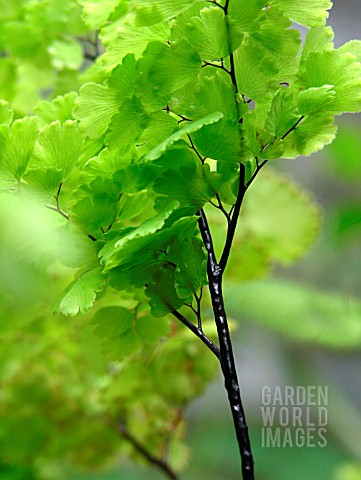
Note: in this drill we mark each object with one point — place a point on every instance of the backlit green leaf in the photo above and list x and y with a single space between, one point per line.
166 68
310 13
337 69
254 82
247 15
190 184
211 91
59 147
132 40
97 12
149 12
6 113
17 145
354 47
311 135
318 39
208 34
190 128
81 293
283 113
96 207
58 109
97 103
128 124
220 141
315 99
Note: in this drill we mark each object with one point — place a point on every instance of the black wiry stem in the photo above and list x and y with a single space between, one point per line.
198 332
57 208
256 172
60 211
293 127
192 147
227 362
216 3
183 118
233 72
161 464
222 67
232 224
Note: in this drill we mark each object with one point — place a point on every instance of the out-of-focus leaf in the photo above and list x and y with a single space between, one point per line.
298 312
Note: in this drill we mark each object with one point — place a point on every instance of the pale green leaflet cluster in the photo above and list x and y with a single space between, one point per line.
133 145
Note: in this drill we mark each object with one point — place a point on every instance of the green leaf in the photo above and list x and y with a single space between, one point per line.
135 276
315 99
191 271
283 113
212 91
160 126
97 12
44 180
162 293
96 207
190 128
318 39
58 109
188 183
97 103
221 141
128 124
127 249
115 327
247 15
281 217
150 12
309 13
6 113
354 47
59 147
337 69
255 82
132 39
17 145
208 34
274 34
146 243
81 293
180 22
229 174
310 136
165 68
104 165
299 312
